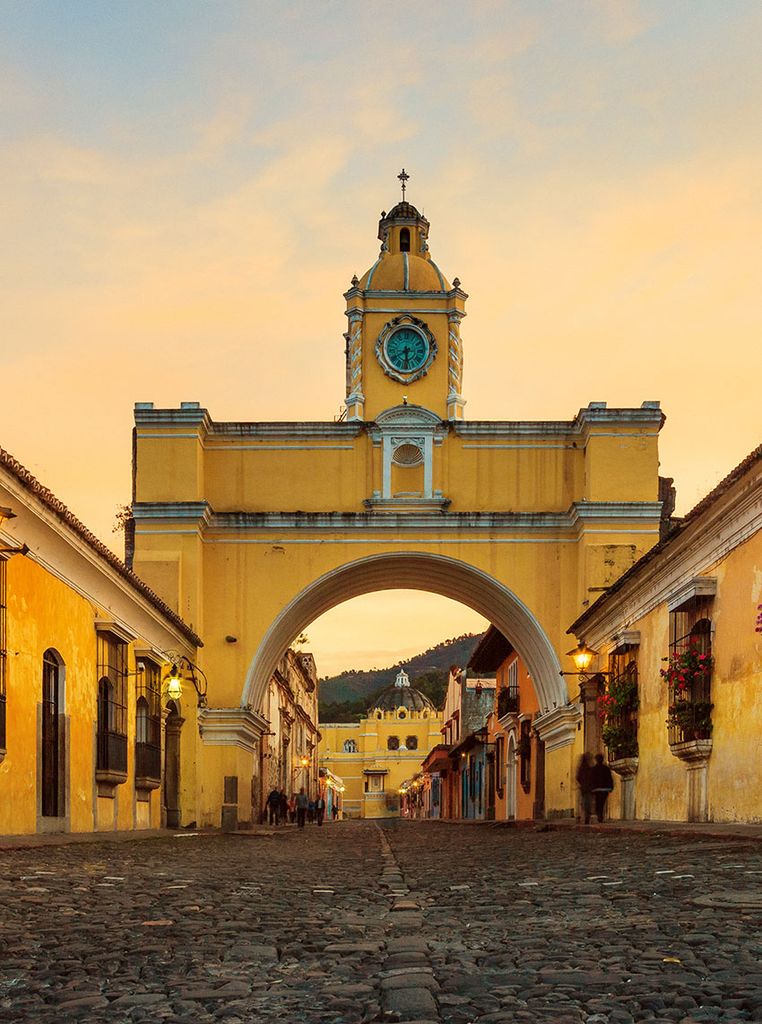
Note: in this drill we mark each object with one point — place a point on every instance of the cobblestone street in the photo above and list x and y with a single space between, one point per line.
355 922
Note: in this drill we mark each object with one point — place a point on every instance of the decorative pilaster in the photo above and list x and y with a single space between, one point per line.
626 768
695 754
455 402
355 399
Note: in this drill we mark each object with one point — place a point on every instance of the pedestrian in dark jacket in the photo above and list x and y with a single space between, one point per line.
273 806
283 809
320 809
584 781
602 783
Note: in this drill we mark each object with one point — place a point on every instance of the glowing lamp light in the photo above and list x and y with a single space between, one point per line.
174 684
582 656
305 762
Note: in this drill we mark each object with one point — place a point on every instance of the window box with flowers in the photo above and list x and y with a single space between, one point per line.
688 676
618 708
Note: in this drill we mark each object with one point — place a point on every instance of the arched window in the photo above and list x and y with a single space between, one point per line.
52 698
112 705
404 239
393 743
350 747
402 713
141 720
148 724
690 701
411 742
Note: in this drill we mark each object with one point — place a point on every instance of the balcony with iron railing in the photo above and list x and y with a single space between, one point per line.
508 701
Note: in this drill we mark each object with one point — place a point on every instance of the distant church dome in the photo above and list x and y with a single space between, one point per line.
402 695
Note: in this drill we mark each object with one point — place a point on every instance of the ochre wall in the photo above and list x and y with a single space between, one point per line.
734 770
45 613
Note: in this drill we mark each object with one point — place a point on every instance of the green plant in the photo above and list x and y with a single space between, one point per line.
693 719
617 709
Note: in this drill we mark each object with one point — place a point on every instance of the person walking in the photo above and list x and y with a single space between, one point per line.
283 809
602 783
584 781
335 811
311 811
292 808
320 809
301 807
273 806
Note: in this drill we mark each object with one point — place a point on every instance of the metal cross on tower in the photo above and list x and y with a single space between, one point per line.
403 177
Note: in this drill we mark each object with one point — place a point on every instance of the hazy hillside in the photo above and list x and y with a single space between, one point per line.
345 696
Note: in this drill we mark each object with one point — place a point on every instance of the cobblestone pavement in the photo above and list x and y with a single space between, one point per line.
407 921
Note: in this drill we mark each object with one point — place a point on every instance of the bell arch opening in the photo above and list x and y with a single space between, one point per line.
437 574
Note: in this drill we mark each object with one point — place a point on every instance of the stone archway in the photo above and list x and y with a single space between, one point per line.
412 570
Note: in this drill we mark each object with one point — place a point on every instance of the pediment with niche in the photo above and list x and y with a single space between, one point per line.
408 416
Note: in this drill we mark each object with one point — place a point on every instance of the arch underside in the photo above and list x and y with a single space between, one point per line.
437 574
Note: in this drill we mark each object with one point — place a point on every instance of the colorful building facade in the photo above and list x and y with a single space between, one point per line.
289 749
684 745
375 756
90 738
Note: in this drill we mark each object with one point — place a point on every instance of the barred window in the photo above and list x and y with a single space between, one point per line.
690 706
411 742
393 743
620 719
3 646
148 722
112 703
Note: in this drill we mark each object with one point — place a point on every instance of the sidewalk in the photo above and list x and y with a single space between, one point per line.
36 840
703 830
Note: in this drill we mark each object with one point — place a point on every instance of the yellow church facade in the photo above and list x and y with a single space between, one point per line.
250 530
377 754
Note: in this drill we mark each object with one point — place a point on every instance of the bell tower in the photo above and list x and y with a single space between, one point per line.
403 340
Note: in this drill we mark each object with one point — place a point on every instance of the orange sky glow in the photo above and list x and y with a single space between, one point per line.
188 189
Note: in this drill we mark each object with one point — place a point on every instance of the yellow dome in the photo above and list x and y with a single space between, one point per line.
402 271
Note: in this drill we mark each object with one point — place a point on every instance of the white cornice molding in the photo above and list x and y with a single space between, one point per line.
58 549
232 727
558 728
725 525
396 514
699 586
118 629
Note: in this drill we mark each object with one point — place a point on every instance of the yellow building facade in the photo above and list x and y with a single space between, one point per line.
89 740
376 755
252 529
686 748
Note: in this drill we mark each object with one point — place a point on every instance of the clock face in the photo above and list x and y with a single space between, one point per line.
407 350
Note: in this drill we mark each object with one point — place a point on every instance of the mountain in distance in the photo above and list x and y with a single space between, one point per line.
346 696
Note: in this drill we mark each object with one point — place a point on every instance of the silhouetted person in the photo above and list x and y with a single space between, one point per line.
585 783
301 807
602 783
273 806
320 810
283 809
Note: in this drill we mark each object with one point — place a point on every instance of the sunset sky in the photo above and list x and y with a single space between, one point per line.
188 187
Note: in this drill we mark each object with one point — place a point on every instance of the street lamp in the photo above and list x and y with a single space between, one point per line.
184 669
582 656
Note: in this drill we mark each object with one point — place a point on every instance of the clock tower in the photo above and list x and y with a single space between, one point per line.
403 343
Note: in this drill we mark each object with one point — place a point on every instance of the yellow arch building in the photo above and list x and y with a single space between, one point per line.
251 530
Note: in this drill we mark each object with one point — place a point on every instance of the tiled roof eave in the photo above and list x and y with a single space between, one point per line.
53 504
